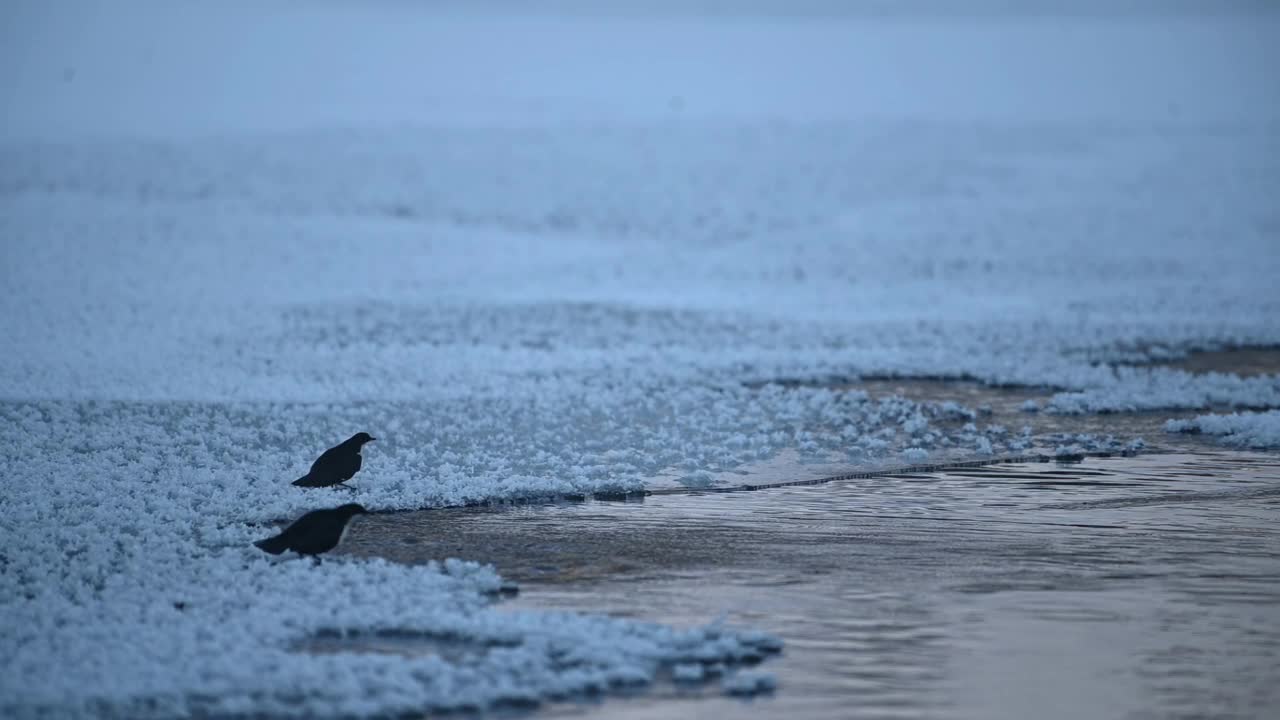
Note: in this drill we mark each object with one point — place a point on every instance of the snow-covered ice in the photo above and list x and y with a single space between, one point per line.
557 253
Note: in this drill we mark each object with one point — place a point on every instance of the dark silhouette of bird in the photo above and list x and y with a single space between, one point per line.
337 464
319 531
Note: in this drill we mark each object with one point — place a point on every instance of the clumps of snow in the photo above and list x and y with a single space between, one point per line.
951 410
1130 389
1024 439
1080 443
875 430
988 440
536 439
1030 406
1255 430
1068 453
748 683
915 425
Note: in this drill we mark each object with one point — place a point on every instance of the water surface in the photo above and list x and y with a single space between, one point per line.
1118 587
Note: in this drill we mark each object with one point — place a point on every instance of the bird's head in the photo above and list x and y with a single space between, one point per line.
359 439
351 509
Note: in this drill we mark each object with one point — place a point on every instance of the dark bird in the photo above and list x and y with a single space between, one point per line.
319 531
337 464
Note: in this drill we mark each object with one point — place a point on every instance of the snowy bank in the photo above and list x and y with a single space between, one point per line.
127 565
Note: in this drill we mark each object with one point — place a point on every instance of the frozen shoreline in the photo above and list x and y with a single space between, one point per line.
197 476
556 255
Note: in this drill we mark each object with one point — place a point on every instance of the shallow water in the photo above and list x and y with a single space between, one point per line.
1117 587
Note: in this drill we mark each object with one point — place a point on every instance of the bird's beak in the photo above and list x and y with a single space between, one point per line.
371 439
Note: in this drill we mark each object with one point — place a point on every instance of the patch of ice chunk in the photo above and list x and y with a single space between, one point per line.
748 683
951 410
915 454
1069 453
1255 430
1078 443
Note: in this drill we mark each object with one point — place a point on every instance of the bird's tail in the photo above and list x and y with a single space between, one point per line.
305 481
274 545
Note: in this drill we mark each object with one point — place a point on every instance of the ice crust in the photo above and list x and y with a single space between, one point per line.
558 271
